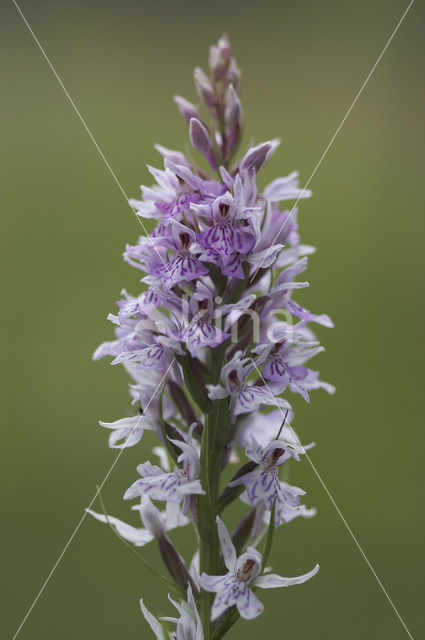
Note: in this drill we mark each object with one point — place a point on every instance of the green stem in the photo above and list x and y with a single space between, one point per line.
216 425
206 517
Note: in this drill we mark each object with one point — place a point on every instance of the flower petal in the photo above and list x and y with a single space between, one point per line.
139 537
272 581
154 624
227 546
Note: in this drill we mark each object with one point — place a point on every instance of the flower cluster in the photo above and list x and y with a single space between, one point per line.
212 343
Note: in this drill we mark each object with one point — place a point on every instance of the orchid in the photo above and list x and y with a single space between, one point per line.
214 340
245 397
235 588
174 486
263 484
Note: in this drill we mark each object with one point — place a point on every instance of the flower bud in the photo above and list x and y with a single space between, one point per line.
201 141
187 109
256 157
233 109
234 76
204 88
219 58
175 564
233 118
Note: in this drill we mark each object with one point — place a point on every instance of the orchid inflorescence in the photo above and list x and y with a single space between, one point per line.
211 344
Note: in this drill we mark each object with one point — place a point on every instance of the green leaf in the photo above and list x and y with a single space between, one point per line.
195 386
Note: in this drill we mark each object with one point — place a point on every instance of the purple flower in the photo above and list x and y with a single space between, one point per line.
157 356
155 522
171 197
184 265
283 364
200 331
230 231
263 484
215 314
175 486
234 588
244 397
140 306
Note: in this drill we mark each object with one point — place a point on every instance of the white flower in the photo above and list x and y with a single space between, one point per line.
234 588
127 432
263 484
245 398
175 486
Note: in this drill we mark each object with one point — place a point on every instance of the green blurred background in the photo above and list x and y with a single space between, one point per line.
64 225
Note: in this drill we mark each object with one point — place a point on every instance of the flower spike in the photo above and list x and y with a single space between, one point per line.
215 343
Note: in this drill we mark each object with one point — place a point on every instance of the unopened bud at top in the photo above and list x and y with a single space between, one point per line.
220 58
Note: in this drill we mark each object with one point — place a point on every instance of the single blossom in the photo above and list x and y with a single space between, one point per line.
263 484
201 330
170 197
245 397
283 364
230 215
183 266
158 355
235 588
140 306
175 486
